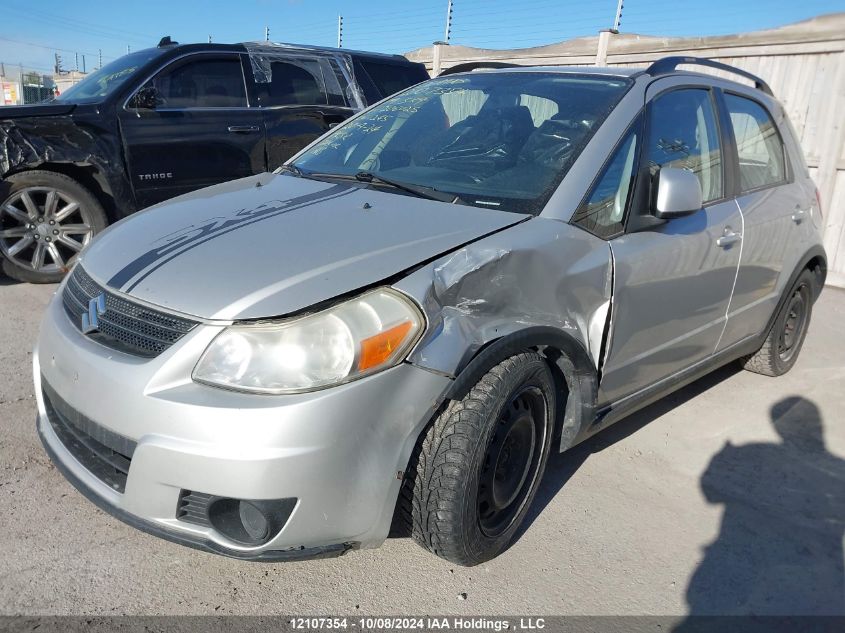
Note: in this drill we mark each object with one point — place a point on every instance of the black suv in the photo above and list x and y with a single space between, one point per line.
164 121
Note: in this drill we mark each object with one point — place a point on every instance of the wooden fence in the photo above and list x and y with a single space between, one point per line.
804 63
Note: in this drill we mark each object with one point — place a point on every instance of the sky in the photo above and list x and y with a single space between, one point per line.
31 31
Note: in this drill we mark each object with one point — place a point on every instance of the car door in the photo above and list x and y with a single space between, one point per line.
191 126
776 211
301 98
672 279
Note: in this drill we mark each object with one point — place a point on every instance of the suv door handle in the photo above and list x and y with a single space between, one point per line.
729 237
799 215
243 129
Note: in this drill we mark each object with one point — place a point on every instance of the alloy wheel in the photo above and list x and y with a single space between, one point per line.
42 229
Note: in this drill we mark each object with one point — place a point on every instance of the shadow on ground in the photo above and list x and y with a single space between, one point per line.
780 545
779 549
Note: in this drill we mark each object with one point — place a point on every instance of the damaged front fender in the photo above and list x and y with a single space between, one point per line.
538 276
33 142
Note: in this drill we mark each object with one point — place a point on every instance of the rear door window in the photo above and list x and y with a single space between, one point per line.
299 83
203 82
541 109
759 146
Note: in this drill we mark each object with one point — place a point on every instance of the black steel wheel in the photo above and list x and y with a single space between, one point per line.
511 462
783 343
478 465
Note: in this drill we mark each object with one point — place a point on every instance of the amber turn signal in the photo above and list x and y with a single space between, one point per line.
377 349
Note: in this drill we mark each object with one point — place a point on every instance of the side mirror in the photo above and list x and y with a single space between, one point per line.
147 98
678 193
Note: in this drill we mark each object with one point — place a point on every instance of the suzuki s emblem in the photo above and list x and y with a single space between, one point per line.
96 309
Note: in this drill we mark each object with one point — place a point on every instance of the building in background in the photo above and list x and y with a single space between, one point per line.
66 79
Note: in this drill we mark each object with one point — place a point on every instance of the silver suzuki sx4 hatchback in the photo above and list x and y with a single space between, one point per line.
393 331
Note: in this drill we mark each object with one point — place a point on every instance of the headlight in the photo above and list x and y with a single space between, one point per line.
345 342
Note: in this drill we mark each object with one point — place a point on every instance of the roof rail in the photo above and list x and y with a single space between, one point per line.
462 68
669 64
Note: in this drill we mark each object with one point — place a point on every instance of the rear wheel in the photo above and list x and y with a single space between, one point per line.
783 344
474 474
46 219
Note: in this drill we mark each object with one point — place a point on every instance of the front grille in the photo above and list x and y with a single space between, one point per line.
125 326
193 507
105 454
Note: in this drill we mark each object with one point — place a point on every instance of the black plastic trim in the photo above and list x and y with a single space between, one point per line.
194 542
576 411
469 66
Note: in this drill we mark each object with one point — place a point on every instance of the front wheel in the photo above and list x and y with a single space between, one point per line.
477 468
46 219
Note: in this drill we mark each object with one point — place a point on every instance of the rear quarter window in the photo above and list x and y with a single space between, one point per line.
391 78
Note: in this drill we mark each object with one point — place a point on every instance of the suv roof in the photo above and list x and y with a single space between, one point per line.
269 47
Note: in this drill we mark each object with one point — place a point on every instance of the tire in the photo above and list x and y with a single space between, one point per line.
46 218
784 341
475 455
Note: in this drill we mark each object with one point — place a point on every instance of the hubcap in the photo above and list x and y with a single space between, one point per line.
42 229
794 323
512 460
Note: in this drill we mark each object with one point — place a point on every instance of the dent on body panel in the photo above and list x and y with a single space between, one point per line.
538 273
27 143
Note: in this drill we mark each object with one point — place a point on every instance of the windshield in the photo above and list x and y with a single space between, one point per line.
106 80
494 140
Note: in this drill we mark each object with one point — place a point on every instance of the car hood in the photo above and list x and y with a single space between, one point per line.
44 109
271 245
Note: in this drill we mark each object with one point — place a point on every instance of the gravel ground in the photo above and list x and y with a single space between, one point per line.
699 504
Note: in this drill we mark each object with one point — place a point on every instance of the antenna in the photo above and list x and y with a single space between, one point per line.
340 31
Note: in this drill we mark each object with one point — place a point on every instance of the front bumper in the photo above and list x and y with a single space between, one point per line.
339 452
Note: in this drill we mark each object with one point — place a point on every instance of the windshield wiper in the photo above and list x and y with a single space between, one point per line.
418 190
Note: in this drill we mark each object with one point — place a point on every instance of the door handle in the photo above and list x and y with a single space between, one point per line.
243 129
729 237
799 215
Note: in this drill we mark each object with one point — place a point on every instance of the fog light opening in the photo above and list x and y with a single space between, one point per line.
249 522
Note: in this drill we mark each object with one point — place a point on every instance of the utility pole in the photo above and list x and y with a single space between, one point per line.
617 21
83 63
99 58
128 50
266 33
2 70
449 21
340 31
58 66
77 61
209 39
